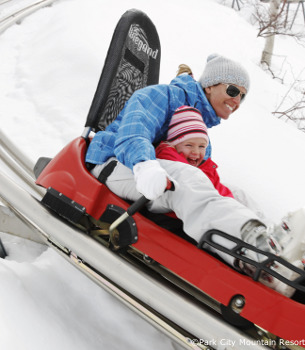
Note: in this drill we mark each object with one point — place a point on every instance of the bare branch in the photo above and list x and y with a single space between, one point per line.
295 113
270 24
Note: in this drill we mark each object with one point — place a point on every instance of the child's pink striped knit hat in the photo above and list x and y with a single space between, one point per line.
186 123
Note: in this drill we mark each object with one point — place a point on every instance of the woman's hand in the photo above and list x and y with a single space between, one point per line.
151 179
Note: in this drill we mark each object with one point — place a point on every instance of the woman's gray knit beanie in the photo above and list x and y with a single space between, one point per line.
220 69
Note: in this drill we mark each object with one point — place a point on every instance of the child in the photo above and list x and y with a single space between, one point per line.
187 141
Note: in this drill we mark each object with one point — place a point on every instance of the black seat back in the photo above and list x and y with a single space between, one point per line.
132 62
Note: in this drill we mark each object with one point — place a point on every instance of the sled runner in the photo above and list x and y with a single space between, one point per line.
157 244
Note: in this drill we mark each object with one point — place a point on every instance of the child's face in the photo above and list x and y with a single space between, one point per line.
193 150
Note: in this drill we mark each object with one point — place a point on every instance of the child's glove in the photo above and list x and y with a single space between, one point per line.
151 178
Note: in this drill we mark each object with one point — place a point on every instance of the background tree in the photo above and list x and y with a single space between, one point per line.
269 27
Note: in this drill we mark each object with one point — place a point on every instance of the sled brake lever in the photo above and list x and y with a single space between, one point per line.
135 207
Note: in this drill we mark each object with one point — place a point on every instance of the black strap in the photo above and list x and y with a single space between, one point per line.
103 176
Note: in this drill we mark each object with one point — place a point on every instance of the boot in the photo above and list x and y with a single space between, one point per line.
291 235
257 234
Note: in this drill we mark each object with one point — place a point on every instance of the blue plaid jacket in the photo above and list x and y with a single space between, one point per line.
144 121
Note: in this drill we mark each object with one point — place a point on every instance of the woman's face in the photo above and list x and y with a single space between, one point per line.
223 104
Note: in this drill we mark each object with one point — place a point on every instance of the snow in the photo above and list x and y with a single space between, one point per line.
50 66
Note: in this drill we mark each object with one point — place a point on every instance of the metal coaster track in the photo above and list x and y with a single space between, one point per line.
17 16
4 1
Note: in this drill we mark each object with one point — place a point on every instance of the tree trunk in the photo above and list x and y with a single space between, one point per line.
269 43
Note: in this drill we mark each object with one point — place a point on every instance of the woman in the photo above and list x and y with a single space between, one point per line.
146 116
144 121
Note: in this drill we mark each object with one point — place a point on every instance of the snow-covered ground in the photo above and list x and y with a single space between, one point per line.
49 68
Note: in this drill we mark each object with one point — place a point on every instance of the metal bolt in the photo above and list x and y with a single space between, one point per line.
237 304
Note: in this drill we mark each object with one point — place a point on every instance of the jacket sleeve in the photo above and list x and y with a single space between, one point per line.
210 169
144 120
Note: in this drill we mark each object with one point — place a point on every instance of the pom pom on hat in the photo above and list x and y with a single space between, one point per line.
186 123
220 69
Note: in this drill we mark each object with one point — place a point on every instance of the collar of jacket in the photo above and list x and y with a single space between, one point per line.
196 97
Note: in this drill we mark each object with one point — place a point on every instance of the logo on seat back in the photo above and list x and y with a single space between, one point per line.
137 36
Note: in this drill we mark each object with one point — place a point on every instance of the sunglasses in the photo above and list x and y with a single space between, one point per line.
234 91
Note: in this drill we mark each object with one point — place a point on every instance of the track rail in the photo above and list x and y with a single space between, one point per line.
17 16
19 164
4 1
21 168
